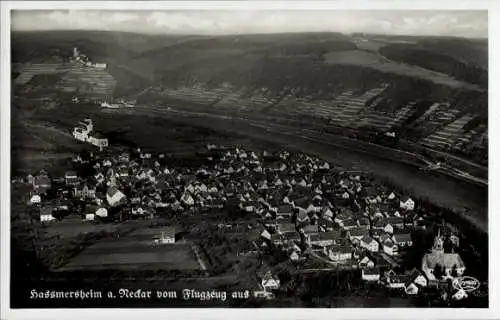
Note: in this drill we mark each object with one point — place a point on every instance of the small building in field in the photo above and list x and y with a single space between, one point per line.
167 236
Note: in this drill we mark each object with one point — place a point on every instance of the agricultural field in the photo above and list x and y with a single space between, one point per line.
135 251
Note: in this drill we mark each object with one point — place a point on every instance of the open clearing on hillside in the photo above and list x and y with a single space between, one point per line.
378 62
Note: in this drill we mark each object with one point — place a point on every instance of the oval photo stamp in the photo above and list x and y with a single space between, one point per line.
466 283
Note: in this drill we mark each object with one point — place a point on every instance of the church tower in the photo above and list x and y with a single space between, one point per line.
438 243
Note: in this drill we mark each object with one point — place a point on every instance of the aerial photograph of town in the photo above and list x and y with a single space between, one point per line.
267 159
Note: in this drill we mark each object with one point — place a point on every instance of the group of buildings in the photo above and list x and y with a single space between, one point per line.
84 132
306 208
85 61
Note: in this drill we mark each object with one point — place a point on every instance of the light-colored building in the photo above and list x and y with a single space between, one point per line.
370 274
448 261
114 197
99 140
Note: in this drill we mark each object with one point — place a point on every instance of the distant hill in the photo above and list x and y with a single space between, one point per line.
429 57
431 89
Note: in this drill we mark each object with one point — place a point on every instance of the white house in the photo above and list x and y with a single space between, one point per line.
407 204
366 263
338 253
35 199
46 215
98 65
102 212
411 288
114 196
390 247
418 278
269 282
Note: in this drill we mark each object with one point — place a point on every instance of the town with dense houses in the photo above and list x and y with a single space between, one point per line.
320 217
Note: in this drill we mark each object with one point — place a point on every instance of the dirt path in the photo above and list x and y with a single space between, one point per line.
200 260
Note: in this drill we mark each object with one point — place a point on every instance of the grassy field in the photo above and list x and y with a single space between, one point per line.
131 253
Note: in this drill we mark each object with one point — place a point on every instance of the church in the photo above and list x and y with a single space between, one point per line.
437 257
